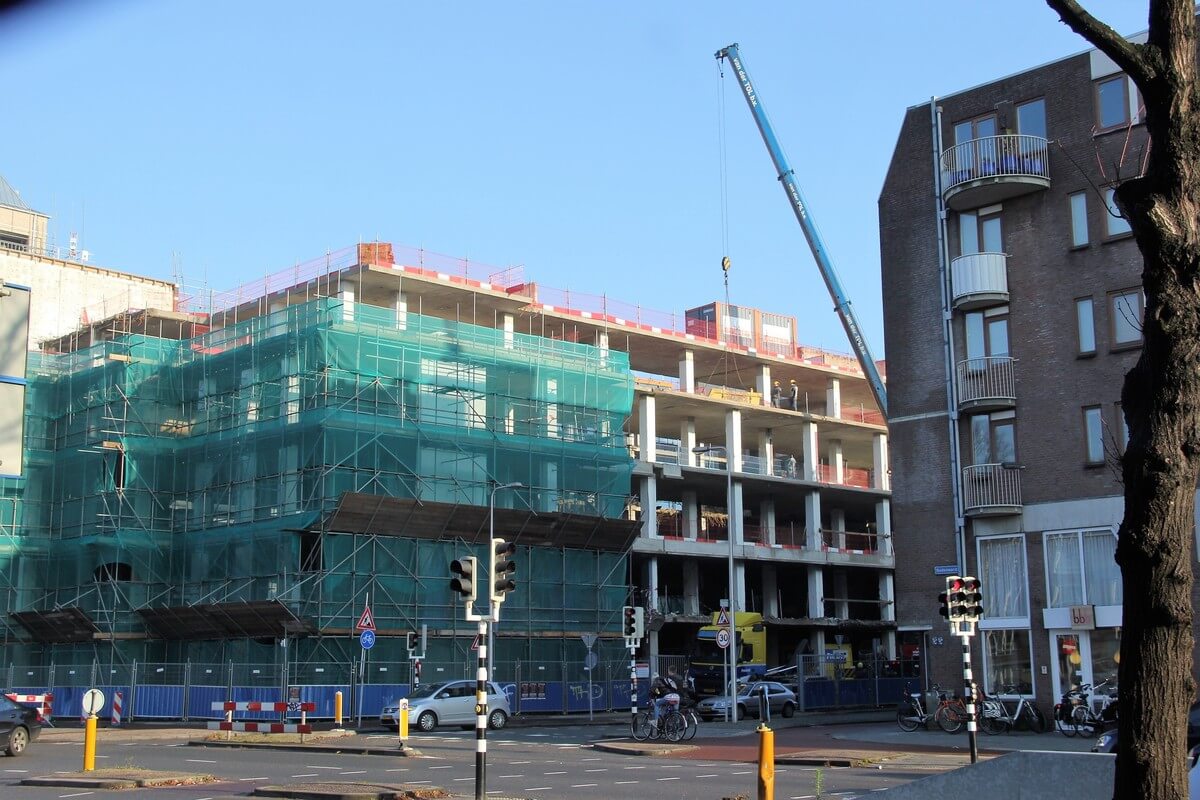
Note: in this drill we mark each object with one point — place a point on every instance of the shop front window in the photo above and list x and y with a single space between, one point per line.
1008 662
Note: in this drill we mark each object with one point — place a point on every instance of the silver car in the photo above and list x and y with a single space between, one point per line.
782 701
448 703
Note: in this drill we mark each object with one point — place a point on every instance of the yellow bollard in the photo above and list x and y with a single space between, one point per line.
403 723
89 744
337 709
766 763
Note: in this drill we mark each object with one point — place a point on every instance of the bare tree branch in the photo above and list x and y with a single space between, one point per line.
1128 56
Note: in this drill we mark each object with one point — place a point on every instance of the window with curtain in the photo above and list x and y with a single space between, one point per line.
1002 571
1063 570
1080 569
1009 662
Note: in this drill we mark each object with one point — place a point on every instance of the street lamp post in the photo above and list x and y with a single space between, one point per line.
491 578
731 651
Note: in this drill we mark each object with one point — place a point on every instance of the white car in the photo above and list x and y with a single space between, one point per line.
448 703
782 701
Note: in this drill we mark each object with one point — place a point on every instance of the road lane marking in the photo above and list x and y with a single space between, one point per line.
594 758
353 772
563 772
263 778
510 776
520 762
745 772
318 766
397 769
601 769
444 766
635 768
200 761
536 788
307 775
581 785
619 783
77 794
465 779
666 779
714 775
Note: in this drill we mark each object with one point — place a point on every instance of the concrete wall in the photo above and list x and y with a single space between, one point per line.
1023 775
62 291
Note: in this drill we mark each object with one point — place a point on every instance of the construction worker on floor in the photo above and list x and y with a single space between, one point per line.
795 396
776 395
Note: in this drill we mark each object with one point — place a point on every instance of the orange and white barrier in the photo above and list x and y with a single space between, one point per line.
259 727
253 705
118 706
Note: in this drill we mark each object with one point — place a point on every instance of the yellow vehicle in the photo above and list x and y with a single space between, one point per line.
710 659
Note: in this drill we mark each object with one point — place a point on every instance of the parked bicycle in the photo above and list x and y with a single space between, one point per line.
911 713
1074 715
995 717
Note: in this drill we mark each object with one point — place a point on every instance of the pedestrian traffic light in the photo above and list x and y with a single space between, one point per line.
502 570
464 583
972 591
412 641
633 622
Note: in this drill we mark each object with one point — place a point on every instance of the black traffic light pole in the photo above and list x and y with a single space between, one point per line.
969 694
481 711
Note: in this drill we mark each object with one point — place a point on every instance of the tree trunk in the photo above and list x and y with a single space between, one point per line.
1161 402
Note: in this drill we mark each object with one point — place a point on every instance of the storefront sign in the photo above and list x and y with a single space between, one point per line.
1083 618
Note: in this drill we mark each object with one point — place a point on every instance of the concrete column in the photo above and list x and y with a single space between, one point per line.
887 594
879 463
816 594
651 603
346 295
808 433
647 428
691 514
687 372
837 467
766 515
812 520
883 527
817 640
602 344
762 382
687 442
889 644
400 306
691 587
770 591
507 324
766 451
837 524
841 605
833 398
733 452
649 499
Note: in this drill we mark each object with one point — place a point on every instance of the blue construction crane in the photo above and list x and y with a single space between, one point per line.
787 179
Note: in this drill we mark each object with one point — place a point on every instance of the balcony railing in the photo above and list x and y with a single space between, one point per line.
851 476
991 489
979 279
849 541
993 168
986 383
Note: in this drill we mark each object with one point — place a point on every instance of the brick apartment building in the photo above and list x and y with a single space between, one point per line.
1012 308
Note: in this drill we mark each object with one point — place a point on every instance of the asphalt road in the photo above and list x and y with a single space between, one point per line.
521 763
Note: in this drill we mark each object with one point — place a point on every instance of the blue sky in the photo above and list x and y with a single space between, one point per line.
231 139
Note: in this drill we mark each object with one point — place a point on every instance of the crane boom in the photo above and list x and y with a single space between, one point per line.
787 178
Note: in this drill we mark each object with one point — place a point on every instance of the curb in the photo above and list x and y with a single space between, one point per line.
639 749
350 791
361 750
62 781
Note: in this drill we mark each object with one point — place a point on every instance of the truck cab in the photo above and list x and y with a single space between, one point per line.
749 643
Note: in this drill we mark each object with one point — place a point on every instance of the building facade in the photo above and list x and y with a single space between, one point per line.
1012 307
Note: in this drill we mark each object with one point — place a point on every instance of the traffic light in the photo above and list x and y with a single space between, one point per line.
972 591
502 570
464 583
953 600
413 641
633 622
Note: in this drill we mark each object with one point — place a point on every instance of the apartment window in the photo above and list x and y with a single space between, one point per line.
1031 118
1007 661
987 333
1112 102
980 133
1085 326
993 438
1125 317
1093 435
1122 428
1081 569
1079 229
1003 574
980 232
972 129
1114 223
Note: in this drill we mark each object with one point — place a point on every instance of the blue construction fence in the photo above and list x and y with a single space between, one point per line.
188 691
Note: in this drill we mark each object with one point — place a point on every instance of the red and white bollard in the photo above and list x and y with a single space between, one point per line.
118 706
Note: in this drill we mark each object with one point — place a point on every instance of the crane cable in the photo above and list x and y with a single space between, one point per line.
727 362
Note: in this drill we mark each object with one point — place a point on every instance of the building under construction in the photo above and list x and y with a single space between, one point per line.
207 482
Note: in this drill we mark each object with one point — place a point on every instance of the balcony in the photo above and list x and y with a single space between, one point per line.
994 168
978 280
986 384
991 490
